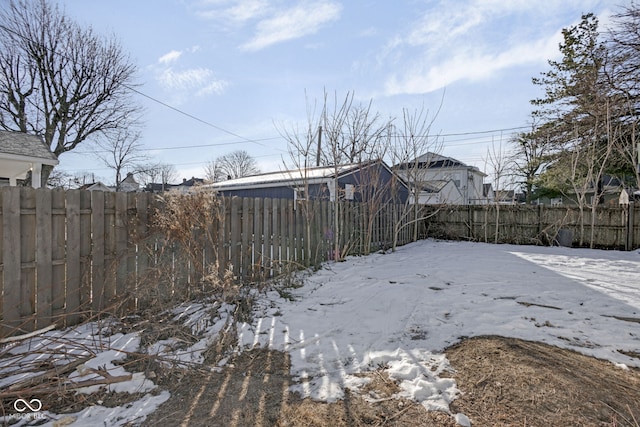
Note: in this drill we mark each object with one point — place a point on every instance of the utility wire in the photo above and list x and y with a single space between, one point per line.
131 88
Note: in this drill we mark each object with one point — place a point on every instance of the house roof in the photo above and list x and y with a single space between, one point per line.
95 186
434 158
21 146
291 177
190 182
437 161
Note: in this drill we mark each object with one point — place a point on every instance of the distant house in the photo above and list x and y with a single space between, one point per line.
95 186
156 187
430 170
609 189
187 185
355 181
129 184
506 197
21 153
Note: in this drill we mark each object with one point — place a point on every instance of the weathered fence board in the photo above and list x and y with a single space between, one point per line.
58 253
12 291
27 259
73 257
43 257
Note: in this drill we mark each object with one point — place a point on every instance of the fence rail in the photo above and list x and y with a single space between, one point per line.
67 255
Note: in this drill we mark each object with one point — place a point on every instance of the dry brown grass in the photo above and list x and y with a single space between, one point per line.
511 382
504 382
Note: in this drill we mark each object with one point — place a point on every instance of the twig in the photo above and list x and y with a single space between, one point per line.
486 377
29 335
383 378
399 413
58 370
635 422
108 379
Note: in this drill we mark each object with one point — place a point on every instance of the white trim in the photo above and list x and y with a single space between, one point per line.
29 159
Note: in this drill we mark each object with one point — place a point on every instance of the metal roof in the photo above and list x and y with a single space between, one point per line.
294 177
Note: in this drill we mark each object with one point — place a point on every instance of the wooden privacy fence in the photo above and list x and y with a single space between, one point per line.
613 227
67 255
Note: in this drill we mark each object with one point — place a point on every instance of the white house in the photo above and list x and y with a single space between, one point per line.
21 153
129 184
444 180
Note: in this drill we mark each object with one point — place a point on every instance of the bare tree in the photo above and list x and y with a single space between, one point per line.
59 80
121 151
413 140
531 154
58 178
304 152
234 165
157 173
498 164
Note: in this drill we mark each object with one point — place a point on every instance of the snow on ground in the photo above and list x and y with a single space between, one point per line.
403 309
397 310
98 347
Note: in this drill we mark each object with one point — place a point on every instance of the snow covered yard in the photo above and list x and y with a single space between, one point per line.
397 311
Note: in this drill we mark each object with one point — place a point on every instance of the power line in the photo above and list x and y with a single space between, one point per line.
485 131
182 147
131 88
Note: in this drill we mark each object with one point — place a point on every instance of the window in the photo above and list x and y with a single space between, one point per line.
299 194
348 191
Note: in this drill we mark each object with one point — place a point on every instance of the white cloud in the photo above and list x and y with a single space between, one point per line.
296 22
246 10
170 57
425 76
235 12
200 80
183 81
475 40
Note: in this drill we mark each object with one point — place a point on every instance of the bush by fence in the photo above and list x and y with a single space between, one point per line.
68 255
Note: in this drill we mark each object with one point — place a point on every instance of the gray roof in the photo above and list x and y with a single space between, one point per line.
24 144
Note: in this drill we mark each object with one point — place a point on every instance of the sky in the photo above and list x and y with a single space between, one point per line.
388 310
217 76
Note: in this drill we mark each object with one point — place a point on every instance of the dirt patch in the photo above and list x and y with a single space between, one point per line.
504 382
510 382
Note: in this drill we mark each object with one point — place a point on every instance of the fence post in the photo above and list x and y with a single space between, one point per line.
630 225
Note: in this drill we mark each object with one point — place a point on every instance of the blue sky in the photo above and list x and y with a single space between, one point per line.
241 68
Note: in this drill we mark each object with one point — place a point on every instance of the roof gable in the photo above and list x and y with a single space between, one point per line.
22 145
